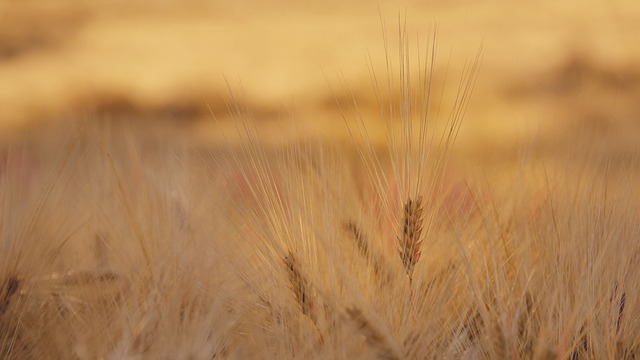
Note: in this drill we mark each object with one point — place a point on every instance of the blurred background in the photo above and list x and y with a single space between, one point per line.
550 69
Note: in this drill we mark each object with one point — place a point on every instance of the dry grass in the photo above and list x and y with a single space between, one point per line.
125 245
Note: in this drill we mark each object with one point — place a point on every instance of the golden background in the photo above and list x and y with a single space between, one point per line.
549 69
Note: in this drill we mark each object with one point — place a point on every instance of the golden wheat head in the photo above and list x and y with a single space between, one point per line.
299 285
409 243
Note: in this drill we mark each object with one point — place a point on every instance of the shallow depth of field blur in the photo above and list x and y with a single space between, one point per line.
550 69
178 180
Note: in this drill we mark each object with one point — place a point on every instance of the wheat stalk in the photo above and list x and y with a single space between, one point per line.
498 341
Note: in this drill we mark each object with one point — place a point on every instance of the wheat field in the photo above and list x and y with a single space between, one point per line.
131 240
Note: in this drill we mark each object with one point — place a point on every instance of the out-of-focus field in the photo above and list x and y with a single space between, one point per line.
119 241
550 69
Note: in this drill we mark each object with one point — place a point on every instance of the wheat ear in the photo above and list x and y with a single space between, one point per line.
373 336
360 239
409 242
299 286
7 290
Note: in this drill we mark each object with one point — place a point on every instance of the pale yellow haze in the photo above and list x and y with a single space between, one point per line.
548 67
